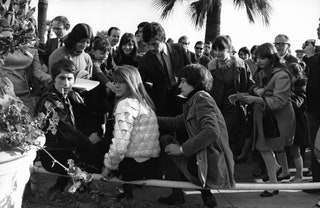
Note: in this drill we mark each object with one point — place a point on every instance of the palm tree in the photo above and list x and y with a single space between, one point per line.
210 11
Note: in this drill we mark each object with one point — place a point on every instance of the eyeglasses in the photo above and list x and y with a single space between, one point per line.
57 28
184 43
279 44
199 48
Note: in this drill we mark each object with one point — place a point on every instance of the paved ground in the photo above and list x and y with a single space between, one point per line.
225 198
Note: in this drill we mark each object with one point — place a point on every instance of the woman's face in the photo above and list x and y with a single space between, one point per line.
221 54
121 88
64 82
100 55
185 87
263 62
127 48
81 45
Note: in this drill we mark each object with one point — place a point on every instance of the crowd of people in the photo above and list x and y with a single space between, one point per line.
162 111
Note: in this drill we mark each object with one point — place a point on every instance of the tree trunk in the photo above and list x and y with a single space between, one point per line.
213 21
42 17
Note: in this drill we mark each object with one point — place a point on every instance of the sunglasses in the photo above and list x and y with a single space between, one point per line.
199 48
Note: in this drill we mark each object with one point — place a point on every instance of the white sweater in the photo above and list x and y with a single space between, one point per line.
136 134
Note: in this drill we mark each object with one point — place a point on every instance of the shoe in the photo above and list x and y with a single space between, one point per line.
267 193
124 192
311 191
296 180
258 172
173 199
266 178
287 177
208 199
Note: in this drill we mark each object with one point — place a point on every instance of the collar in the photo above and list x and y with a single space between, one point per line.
165 50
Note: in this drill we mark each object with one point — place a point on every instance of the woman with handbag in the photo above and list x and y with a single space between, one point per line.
273 111
205 157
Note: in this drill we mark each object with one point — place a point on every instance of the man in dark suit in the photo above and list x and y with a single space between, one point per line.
159 68
282 44
60 25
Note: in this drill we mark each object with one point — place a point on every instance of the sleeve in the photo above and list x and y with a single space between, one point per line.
125 114
281 91
97 72
171 123
38 71
207 118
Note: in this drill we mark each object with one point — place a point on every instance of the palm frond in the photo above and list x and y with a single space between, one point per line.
256 8
198 12
164 6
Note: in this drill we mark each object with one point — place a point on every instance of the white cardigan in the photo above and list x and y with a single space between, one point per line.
136 133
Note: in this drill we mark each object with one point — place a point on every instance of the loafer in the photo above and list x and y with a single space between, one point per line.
209 201
173 199
267 193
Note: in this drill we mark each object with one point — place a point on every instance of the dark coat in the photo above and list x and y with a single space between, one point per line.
206 131
152 71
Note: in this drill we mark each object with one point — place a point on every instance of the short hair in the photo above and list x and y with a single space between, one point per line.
101 43
184 37
222 42
79 32
62 19
244 50
110 30
287 39
208 42
63 64
198 76
253 49
199 42
153 30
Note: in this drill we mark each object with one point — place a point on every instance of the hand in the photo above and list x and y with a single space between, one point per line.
106 173
258 91
248 99
94 138
110 86
173 149
76 97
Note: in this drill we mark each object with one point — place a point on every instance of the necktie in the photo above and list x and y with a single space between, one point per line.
171 78
60 43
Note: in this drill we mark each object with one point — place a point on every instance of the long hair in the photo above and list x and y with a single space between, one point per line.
131 76
125 39
79 32
267 50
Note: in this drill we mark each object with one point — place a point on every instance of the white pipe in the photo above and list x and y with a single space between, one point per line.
188 185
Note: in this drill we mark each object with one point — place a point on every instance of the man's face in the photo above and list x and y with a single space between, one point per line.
59 29
185 43
114 37
64 82
198 49
155 45
318 30
207 48
281 45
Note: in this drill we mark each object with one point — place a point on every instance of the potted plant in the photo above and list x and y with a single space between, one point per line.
20 137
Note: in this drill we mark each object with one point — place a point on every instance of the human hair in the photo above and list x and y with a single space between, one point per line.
142 24
296 70
64 64
128 38
79 32
110 30
208 42
199 42
100 43
285 37
62 19
153 30
244 50
267 50
182 38
222 42
130 75
198 76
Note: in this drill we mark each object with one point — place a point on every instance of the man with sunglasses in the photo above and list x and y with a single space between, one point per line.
199 56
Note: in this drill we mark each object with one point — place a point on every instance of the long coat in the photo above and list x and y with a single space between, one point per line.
277 94
206 131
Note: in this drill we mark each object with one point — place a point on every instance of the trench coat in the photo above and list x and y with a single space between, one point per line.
207 138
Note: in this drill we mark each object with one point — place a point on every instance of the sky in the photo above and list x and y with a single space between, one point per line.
298 19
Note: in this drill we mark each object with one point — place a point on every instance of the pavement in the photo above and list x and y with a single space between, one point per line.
225 198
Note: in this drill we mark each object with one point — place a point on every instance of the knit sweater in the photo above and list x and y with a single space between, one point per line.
136 133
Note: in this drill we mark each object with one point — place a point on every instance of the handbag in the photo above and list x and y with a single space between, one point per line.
269 123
